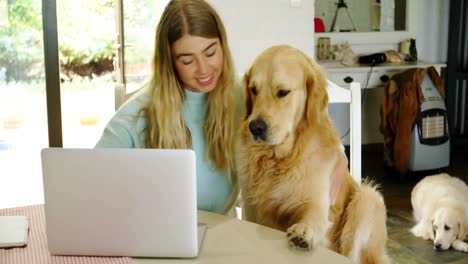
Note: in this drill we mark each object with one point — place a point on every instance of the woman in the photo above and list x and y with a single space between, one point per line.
190 101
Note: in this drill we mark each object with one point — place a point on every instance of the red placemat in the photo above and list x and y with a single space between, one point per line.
36 250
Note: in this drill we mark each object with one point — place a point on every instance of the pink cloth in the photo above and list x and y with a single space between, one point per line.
36 251
338 180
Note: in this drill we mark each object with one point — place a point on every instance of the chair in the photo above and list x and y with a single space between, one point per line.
121 95
338 94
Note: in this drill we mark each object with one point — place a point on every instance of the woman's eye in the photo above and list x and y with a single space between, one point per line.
211 54
282 93
186 62
447 228
253 90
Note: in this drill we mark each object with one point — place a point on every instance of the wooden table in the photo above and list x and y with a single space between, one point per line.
230 240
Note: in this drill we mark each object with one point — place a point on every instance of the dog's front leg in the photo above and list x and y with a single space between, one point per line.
248 212
311 230
460 245
423 229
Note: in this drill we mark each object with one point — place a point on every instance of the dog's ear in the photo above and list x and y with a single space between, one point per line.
432 230
247 96
317 95
461 231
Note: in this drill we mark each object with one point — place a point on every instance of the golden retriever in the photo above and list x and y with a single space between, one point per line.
440 208
290 162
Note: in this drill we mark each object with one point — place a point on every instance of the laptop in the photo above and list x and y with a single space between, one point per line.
121 202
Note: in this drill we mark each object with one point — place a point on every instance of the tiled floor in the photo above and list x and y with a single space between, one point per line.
402 246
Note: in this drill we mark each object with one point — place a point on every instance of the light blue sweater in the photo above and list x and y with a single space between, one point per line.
126 130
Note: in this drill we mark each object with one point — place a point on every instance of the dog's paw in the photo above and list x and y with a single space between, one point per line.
460 245
300 236
422 231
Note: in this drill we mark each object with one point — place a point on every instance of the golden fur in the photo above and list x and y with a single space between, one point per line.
287 154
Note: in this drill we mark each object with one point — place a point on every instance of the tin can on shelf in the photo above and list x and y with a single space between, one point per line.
323 48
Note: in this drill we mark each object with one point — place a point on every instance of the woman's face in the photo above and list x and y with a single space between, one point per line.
198 62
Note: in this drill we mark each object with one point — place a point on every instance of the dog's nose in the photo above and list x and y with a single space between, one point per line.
258 127
437 246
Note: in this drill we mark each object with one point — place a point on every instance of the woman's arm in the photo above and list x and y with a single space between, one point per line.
116 135
127 127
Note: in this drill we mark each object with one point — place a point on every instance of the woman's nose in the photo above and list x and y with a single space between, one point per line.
202 66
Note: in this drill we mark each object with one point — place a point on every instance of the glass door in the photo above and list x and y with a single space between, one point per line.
86 37
91 62
23 117
136 22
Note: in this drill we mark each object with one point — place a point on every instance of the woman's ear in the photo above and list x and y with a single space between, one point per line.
247 96
317 95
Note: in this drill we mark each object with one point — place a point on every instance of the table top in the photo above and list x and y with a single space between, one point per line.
230 240
227 240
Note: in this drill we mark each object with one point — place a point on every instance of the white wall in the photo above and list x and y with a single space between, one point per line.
254 25
432 31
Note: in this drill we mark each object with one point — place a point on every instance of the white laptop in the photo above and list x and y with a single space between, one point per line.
121 202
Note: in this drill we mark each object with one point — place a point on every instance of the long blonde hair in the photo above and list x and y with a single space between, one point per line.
166 124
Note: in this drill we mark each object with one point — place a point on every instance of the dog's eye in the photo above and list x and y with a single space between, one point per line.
253 90
282 93
435 227
447 228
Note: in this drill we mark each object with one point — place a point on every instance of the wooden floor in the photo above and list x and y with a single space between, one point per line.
402 246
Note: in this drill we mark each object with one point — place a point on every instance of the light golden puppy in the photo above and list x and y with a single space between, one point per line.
440 208
292 169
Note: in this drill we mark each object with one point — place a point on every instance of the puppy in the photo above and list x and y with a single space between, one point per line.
440 208
292 170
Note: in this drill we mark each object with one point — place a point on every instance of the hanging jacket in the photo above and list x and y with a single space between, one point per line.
401 101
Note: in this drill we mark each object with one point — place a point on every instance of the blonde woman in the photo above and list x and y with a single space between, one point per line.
190 102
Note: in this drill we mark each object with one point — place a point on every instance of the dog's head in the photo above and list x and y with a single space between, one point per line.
447 226
283 88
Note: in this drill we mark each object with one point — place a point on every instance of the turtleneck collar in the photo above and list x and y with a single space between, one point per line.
195 98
